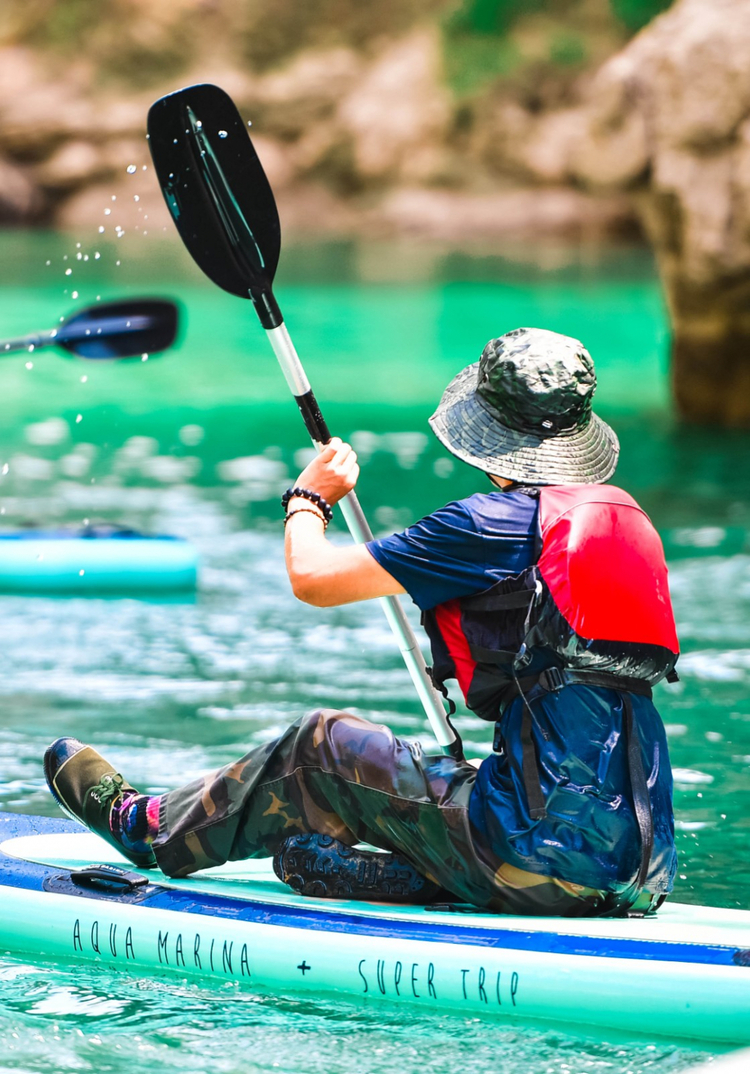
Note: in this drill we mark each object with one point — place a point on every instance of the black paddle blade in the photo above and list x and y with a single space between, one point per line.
126 329
217 192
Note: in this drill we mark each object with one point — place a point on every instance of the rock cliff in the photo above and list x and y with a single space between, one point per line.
668 120
367 118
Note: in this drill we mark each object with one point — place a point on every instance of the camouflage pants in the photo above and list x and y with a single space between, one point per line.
340 775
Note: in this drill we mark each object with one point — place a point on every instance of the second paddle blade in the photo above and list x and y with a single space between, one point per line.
216 189
126 329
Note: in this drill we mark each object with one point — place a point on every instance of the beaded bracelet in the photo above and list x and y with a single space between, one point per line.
306 511
313 497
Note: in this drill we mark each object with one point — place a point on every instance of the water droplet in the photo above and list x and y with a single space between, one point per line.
174 141
85 257
249 122
31 348
107 212
84 378
68 271
131 168
79 257
86 521
97 255
5 468
199 124
136 197
29 365
78 246
222 134
114 197
81 573
98 298
117 262
53 333
48 262
79 418
145 166
74 295
65 257
101 229
144 357
88 331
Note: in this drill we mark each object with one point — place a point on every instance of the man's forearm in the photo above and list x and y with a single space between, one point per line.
310 558
322 573
326 574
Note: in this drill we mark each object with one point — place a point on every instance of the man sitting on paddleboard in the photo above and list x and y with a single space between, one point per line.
546 598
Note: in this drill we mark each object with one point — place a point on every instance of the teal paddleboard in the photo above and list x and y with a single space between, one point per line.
684 973
55 562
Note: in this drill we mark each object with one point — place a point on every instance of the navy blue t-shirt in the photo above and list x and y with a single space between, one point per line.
590 835
463 548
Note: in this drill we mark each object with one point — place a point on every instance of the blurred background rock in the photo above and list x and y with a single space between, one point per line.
454 119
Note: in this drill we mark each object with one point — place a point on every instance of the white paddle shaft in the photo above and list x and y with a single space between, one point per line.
356 522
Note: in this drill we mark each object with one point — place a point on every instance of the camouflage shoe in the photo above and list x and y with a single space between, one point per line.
322 867
86 787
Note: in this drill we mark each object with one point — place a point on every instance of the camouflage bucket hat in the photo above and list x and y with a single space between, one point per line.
523 412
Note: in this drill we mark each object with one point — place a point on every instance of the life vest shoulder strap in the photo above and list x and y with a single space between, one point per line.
557 500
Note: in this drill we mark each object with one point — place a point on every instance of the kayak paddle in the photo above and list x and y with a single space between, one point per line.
124 329
225 212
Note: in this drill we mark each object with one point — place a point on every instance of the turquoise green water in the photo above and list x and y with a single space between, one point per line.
200 442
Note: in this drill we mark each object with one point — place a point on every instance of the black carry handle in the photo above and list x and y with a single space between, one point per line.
109 879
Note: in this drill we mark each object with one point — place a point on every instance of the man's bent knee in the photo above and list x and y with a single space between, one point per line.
341 742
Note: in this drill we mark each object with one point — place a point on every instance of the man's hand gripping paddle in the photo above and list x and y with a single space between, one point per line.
225 212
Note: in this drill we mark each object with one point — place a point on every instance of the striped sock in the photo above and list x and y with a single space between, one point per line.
135 821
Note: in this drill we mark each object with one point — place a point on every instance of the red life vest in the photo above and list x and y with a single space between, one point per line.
596 602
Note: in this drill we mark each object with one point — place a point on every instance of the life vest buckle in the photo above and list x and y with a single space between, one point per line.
552 679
